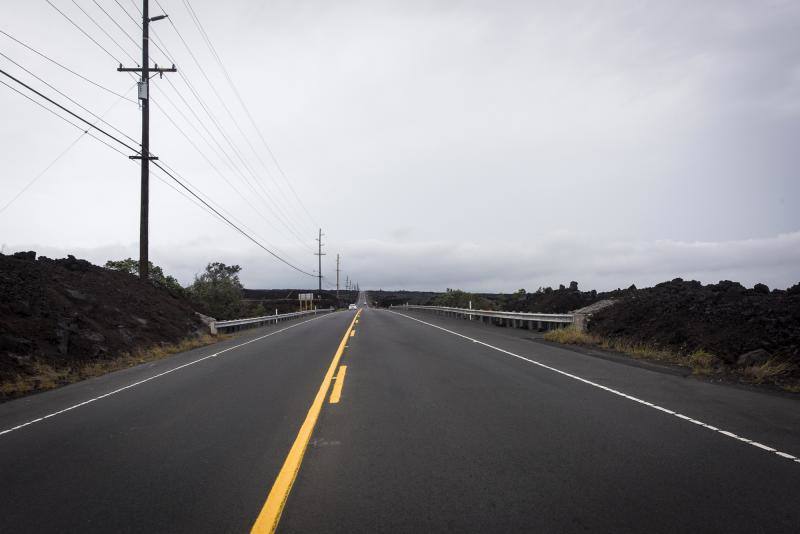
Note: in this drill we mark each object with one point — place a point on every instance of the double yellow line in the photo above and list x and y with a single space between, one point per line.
267 520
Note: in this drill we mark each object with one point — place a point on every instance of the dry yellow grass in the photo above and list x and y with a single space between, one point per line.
574 336
46 376
792 388
768 370
702 362
571 335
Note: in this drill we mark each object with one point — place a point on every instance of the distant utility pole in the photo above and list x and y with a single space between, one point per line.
144 99
337 276
320 254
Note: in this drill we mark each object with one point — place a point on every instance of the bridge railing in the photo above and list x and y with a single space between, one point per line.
532 321
237 324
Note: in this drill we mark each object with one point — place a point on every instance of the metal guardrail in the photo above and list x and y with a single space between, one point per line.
237 324
558 319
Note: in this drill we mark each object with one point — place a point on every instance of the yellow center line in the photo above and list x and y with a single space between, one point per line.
336 394
267 520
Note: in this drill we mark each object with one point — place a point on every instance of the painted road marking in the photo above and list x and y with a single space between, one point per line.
352 333
614 391
129 386
270 515
338 385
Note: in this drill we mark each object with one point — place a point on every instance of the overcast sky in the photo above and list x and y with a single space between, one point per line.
481 145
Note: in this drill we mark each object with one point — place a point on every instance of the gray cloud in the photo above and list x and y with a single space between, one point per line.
435 265
456 143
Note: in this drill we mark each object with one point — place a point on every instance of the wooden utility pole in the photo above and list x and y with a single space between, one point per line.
337 277
144 100
320 254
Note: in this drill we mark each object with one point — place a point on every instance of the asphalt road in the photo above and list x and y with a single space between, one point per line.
486 431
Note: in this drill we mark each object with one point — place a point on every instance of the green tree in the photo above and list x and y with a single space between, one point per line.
217 291
456 298
155 275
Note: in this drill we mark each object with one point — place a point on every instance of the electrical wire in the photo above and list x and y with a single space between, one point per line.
205 157
203 32
155 162
70 99
29 88
53 61
102 29
113 20
245 136
281 214
245 234
62 118
216 123
84 32
57 158
231 163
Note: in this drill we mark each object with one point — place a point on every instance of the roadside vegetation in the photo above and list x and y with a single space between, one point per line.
702 363
155 274
46 376
456 298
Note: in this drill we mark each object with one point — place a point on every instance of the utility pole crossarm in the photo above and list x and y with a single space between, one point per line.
149 69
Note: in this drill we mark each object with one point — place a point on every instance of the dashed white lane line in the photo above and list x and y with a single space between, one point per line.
159 375
614 391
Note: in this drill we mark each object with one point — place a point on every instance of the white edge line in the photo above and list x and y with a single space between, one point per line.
129 386
614 391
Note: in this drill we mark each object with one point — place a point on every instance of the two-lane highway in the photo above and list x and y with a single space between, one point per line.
376 421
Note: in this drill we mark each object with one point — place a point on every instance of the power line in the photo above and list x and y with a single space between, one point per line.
227 158
104 31
84 132
62 118
51 60
216 169
157 164
227 213
56 159
210 46
281 216
233 165
70 99
128 13
83 32
245 108
113 20
29 88
230 161
139 26
205 107
280 213
298 269
205 157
